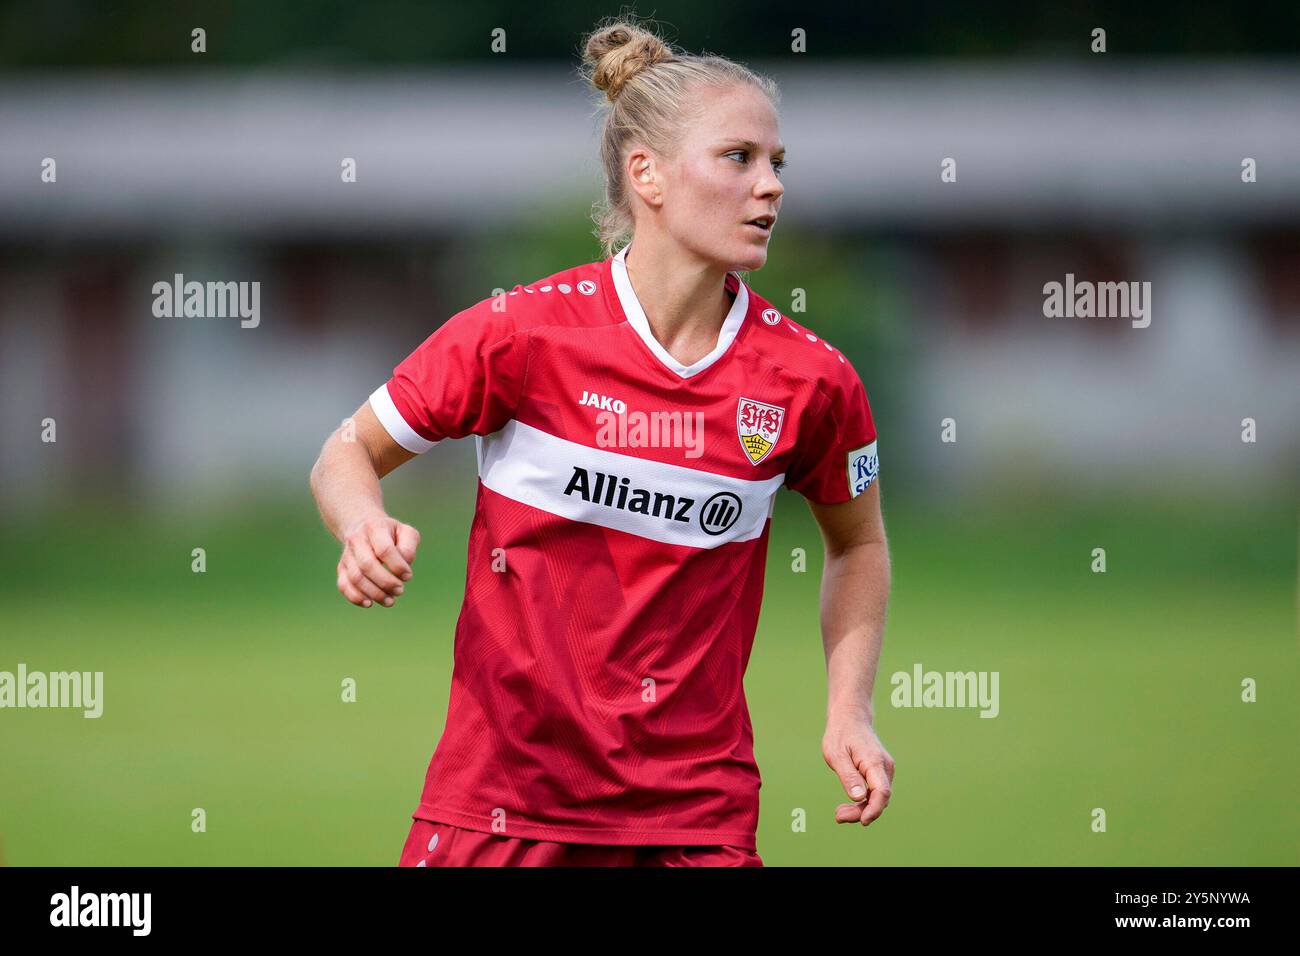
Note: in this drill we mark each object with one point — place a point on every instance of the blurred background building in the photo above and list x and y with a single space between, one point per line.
477 170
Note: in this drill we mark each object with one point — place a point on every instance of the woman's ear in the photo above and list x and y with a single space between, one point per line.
642 173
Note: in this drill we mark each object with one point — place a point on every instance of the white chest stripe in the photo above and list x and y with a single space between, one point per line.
669 503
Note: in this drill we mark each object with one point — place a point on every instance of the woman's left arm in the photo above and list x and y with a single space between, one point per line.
854 594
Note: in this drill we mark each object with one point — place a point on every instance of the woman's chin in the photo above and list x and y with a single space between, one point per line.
750 262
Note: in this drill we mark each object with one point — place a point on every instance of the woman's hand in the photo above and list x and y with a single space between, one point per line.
865 768
377 550
377 555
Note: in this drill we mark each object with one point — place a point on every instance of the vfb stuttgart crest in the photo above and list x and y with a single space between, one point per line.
759 426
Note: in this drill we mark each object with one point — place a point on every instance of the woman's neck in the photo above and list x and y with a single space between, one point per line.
685 301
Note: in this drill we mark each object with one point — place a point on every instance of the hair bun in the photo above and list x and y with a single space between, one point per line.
616 53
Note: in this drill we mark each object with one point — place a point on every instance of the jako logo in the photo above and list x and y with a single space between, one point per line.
102 909
603 402
719 513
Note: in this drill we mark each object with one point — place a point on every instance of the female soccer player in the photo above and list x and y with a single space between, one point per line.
634 419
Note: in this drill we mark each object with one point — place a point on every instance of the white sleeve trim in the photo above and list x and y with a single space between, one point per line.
395 424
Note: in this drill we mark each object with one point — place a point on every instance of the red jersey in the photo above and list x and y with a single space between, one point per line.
616 557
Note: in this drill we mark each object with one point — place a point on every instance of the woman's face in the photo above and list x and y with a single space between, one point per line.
724 175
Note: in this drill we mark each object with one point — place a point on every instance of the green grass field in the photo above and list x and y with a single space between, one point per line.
222 690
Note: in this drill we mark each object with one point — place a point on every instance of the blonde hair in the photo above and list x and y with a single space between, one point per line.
648 85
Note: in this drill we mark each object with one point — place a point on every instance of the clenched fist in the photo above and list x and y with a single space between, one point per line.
377 556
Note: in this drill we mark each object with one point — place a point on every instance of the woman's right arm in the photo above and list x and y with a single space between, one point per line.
377 549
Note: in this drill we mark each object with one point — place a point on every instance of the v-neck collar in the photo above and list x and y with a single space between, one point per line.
641 325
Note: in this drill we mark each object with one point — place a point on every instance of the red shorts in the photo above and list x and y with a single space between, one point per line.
437 844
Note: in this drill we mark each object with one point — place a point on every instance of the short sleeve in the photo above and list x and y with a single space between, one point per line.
465 378
836 461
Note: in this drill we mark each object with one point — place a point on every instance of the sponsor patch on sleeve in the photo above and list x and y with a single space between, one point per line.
863 468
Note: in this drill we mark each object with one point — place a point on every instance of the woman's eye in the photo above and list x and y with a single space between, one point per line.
742 156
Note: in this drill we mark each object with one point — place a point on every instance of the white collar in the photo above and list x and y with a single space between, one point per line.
637 319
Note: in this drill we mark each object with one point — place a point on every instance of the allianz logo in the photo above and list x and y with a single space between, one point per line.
718 513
